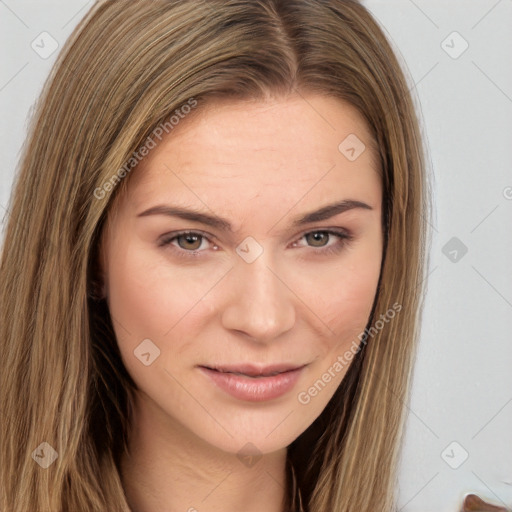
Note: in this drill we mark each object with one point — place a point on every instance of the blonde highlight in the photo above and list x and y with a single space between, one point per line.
62 380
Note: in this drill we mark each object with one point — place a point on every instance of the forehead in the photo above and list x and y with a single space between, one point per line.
278 147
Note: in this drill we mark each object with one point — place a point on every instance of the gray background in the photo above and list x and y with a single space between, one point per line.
459 431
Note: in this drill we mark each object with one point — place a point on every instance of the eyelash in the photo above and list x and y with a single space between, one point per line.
344 239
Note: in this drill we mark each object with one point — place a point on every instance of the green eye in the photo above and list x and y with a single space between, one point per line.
317 238
188 243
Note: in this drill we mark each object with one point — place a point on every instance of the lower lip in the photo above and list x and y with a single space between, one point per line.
256 389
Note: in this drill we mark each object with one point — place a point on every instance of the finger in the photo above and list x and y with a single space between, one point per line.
472 503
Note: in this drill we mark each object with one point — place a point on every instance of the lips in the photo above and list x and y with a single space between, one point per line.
248 370
254 384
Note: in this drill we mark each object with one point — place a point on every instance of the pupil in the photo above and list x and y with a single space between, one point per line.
319 236
190 239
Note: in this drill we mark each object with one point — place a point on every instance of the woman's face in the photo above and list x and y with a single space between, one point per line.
269 278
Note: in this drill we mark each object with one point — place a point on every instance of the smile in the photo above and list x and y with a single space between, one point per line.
254 385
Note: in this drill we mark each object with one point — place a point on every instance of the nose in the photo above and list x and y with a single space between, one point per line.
260 304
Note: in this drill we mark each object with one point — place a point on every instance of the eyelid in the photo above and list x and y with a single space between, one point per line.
169 237
345 237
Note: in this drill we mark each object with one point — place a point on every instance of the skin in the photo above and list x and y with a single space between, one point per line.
259 165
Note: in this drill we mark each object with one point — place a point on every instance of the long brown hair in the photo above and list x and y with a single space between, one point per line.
126 68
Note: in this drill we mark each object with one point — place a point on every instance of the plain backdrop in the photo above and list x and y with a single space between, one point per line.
458 57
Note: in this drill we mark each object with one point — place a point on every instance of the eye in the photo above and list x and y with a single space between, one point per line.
190 243
321 238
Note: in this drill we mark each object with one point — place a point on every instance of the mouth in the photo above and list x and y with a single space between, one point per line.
254 372
254 384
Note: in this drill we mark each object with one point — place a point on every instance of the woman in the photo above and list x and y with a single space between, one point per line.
175 335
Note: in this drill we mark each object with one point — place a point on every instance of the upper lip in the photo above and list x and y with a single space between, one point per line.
254 370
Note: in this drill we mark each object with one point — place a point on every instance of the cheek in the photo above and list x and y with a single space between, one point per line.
347 293
149 299
140 306
344 307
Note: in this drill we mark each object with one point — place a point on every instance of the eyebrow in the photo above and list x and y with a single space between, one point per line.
324 213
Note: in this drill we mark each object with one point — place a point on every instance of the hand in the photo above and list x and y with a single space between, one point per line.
472 503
